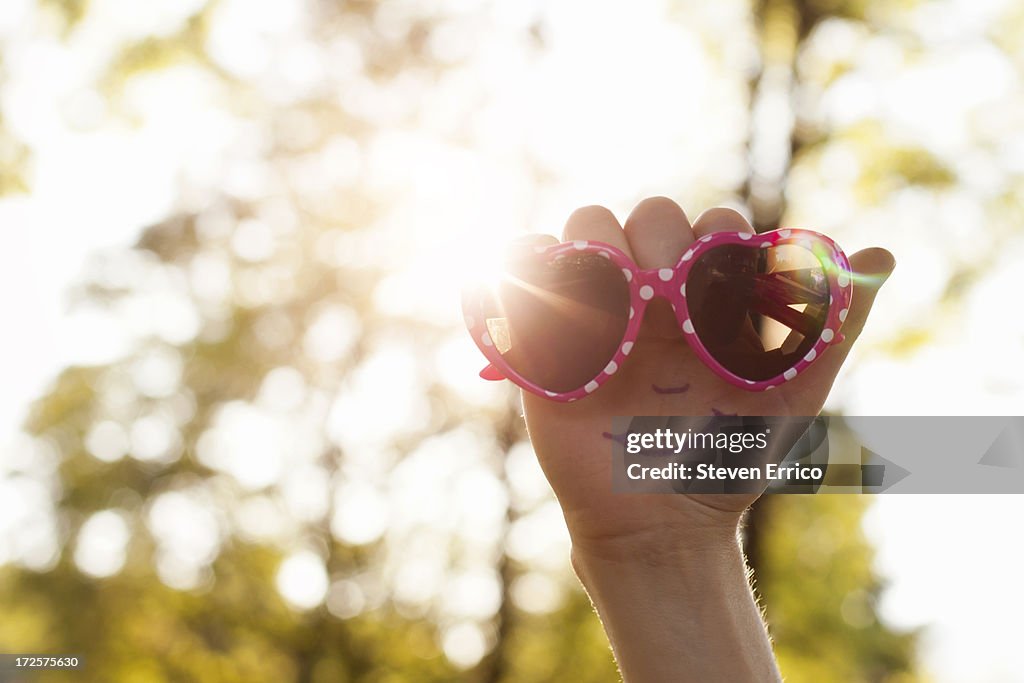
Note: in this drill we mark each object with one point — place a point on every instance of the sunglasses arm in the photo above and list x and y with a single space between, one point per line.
492 373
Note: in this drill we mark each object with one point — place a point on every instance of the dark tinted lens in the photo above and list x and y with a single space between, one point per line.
758 311
558 323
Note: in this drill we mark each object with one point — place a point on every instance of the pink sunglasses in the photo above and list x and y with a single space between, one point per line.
757 309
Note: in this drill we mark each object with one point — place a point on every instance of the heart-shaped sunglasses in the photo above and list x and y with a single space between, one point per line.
757 309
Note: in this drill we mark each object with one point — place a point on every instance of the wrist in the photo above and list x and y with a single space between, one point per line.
647 562
685 540
689 609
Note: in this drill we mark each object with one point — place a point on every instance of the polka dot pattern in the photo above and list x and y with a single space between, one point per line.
833 260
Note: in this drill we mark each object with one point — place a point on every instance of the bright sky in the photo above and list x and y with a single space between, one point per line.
949 560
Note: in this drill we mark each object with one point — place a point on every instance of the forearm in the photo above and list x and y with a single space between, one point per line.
691 618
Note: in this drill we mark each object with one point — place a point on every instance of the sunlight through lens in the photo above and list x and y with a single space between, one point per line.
758 311
558 323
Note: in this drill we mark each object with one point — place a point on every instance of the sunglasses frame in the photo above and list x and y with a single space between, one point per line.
670 283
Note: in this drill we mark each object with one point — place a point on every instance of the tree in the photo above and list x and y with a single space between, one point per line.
264 334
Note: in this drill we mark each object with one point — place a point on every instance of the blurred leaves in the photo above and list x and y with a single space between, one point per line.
70 11
245 282
820 594
889 169
14 159
157 52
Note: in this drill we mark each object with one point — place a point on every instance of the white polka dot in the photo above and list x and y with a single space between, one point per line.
688 326
579 244
785 233
682 289
627 347
844 278
706 238
769 387
827 334
631 312
765 245
811 355
470 321
604 254
486 339
646 292
749 381
842 315
688 255
550 393
571 400
591 386
665 274
744 235
628 274
611 368
789 374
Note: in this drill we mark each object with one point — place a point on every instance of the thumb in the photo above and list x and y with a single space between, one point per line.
871 268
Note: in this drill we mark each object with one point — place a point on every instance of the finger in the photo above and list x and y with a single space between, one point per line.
598 224
720 219
871 268
658 232
724 219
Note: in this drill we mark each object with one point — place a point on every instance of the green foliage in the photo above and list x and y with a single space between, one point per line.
159 52
820 593
568 644
70 11
14 158
233 625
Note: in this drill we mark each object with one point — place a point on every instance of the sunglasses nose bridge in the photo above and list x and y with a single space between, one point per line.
660 283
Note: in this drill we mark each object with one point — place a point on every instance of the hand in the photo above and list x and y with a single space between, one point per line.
570 438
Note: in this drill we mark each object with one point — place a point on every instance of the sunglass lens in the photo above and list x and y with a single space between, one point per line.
758 311
558 322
